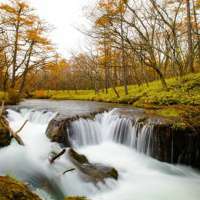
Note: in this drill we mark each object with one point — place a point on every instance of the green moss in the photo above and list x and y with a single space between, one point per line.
13 189
169 112
184 91
179 125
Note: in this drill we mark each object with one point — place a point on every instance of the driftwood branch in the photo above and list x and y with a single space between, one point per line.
21 127
51 160
69 170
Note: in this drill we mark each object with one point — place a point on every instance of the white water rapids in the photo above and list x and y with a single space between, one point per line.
140 177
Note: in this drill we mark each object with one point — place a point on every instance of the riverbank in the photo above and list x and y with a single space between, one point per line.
11 188
181 101
184 91
11 97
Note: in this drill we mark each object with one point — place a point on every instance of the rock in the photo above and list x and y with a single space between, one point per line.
91 172
5 137
78 158
12 189
175 139
59 127
57 131
177 145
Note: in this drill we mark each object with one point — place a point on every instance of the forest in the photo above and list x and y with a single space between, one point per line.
117 119
131 43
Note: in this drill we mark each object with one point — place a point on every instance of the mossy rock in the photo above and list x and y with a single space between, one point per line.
10 189
93 172
5 137
81 159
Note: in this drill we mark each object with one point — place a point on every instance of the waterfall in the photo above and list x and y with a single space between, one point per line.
108 139
85 132
109 126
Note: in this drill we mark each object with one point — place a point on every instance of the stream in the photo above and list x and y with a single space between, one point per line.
102 141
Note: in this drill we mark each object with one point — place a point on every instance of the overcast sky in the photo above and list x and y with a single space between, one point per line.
65 16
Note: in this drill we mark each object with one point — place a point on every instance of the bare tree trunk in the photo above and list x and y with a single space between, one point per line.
14 63
162 78
26 69
196 29
124 66
190 59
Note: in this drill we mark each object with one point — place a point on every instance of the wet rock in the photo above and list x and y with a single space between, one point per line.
91 172
12 189
174 139
57 131
177 145
59 128
5 137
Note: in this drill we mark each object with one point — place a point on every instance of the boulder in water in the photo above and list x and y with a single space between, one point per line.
91 172
57 131
12 189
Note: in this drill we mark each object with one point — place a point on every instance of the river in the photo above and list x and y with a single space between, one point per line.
140 177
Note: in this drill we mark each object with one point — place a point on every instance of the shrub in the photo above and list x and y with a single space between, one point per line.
41 94
13 97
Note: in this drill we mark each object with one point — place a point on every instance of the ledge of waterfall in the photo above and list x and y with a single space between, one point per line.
174 139
168 139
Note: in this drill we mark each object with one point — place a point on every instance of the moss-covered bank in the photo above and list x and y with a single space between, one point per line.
184 91
10 189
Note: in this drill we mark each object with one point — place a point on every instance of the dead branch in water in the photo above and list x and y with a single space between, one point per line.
51 160
13 134
69 170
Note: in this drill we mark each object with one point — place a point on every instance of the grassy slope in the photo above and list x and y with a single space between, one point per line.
181 92
181 104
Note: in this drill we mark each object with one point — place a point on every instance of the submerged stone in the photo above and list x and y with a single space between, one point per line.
91 172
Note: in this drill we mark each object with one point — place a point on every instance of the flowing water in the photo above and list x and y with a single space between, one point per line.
108 140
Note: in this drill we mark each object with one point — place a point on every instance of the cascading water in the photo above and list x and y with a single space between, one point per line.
110 127
106 140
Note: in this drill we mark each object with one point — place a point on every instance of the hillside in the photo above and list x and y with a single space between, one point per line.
184 91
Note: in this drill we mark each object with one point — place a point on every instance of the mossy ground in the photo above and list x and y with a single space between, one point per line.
15 190
181 101
184 91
